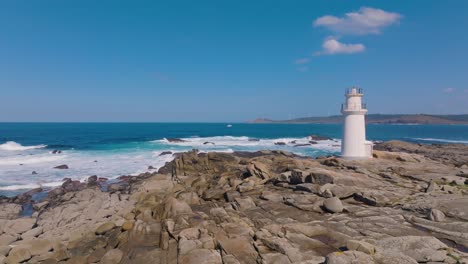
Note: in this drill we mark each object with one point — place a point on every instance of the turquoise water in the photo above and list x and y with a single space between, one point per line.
114 149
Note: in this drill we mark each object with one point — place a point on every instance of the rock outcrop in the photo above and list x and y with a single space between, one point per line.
261 207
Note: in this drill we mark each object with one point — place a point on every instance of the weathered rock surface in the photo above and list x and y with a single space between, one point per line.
9 210
261 207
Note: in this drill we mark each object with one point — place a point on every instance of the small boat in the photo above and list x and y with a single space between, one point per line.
229 125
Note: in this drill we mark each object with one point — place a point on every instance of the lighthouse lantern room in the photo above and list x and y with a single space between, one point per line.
354 144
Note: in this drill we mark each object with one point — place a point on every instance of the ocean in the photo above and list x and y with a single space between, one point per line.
114 149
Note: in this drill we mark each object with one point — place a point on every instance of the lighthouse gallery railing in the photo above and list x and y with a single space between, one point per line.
351 107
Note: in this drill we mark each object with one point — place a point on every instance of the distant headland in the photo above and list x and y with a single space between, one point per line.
375 119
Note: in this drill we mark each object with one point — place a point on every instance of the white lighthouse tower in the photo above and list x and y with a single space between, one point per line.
354 144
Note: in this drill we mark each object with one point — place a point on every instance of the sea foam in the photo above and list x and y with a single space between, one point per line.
443 140
13 146
227 142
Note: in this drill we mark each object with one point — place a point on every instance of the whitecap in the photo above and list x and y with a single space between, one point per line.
29 186
443 140
29 159
13 146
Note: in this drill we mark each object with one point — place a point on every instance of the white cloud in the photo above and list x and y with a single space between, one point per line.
332 46
365 21
449 90
302 61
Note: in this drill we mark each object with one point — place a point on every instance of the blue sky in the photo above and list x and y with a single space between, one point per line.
228 60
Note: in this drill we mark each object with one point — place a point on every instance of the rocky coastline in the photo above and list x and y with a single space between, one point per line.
409 204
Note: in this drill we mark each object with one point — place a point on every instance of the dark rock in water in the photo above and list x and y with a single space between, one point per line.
54 193
207 142
254 139
165 153
92 178
73 186
280 143
62 167
34 191
102 179
313 142
293 142
25 198
34 173
302 145
124 178
55 151
151 168
92 181
318 137
21 164
175 140
66 179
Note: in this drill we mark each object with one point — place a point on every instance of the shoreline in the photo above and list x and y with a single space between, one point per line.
103 183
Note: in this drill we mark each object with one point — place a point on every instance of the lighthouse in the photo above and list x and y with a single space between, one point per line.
354 144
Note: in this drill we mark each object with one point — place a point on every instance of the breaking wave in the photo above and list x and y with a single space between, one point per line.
443 140
13 146
241 143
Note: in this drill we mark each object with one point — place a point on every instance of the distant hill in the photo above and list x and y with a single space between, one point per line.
375 119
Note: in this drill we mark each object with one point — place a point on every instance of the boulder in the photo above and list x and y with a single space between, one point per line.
4 250
231 195
118 186
432 186
246 186
333 205
189 197
319 137
37 246
361 246
92 180
104 228
280 143
7 239
244 203
19 226
307 187
35 232
174 207
72 186
62 167
18 255
258 169
112 256
436 215
165 153
40 206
